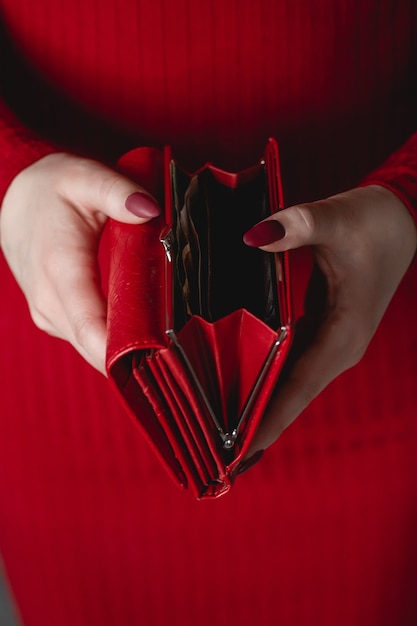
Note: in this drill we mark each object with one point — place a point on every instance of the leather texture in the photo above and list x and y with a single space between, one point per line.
199 325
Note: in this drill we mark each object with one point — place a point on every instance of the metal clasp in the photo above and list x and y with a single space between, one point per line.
167 239
229 439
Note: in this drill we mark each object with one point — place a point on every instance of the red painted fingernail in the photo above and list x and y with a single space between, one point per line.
264 233
250 462
142 205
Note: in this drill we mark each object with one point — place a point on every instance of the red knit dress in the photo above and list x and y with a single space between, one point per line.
322 531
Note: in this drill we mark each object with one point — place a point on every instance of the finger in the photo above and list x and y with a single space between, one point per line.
87 335
85 331
297 226
101 192
83 302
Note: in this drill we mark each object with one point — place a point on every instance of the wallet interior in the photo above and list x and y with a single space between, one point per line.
214 272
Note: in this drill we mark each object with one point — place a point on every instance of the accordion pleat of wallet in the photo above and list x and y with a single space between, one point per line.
199 324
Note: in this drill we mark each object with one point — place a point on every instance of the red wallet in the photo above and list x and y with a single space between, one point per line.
199 324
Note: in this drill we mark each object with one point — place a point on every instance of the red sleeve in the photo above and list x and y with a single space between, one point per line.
19 148
399 174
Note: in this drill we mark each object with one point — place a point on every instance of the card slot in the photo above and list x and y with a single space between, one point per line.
189 427
197 405
139 405
149 384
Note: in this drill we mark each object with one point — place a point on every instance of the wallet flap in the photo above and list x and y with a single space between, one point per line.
137 283
137 268
137 279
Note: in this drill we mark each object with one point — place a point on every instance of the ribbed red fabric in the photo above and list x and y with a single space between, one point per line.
322 531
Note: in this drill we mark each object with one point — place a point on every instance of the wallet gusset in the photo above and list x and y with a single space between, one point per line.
199 325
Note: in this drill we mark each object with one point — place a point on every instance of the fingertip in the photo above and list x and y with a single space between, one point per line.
141 204
264 233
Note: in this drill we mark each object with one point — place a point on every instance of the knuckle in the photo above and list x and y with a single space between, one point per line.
52 266
348 334
307 218
77 166
107 185
82 173
54 274
40 319
45 314
357 352
82 327
68 170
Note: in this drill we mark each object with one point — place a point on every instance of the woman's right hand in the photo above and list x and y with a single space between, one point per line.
363 241
51 221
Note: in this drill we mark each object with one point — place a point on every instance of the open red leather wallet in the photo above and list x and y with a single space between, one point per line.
199 324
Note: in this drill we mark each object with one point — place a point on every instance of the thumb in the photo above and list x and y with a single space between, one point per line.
297 226
101 191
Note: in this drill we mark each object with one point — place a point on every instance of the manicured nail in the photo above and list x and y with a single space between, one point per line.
142 205
264 233
250 462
